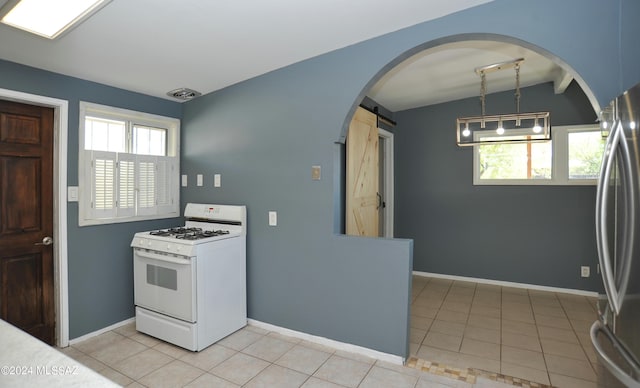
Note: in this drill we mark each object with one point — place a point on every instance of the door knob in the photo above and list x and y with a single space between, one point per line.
45 241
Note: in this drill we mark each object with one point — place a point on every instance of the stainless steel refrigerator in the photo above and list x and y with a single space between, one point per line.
616 334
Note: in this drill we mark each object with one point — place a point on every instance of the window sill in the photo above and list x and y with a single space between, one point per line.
534 182
107 221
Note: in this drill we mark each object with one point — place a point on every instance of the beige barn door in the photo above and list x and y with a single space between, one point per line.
362 175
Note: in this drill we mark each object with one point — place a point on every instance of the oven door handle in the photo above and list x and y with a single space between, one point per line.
155 256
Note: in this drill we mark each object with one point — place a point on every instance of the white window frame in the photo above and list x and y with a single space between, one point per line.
559 162
167 205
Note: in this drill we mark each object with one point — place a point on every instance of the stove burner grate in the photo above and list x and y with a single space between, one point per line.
185 233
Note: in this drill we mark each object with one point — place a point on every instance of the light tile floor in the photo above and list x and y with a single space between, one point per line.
537 336
534 335
251 357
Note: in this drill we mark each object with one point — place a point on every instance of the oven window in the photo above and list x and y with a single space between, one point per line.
162 277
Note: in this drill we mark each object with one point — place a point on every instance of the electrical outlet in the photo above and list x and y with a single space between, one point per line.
585 271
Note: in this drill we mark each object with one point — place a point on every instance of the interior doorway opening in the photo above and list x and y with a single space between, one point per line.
60 128
385 141
436 48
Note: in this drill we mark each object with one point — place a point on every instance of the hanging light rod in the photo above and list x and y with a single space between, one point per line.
504 128
499 66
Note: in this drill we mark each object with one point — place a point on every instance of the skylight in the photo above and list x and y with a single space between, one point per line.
48 18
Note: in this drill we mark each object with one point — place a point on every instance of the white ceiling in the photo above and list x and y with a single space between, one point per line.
154 46
447 73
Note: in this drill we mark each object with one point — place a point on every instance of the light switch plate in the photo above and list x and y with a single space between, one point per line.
199 180
273 218
216 180
316 172
184 180
72 193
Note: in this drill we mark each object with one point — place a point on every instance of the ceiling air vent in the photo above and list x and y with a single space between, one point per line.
184 94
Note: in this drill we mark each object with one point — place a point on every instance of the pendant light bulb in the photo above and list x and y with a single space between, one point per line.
537 128
466 132
500 130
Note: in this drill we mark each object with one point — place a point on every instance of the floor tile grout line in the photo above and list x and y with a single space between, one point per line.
582 347
535 321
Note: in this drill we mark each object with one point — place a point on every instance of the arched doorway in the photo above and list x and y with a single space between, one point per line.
452 195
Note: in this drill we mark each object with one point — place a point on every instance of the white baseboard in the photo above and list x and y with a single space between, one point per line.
592 294
101 331
391 358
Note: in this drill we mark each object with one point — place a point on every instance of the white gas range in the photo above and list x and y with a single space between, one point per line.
190 281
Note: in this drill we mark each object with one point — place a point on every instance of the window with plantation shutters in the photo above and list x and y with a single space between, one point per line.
129 166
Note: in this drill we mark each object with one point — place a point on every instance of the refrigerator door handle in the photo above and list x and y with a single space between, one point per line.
608 363
629 227
602 195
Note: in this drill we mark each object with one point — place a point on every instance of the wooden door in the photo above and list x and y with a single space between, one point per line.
26 218
362 200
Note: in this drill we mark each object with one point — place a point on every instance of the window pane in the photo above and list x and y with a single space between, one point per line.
104 135
149 141
585 154
515 161
541 157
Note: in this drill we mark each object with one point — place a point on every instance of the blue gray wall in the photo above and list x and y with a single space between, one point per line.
99 257
529 234
263 136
